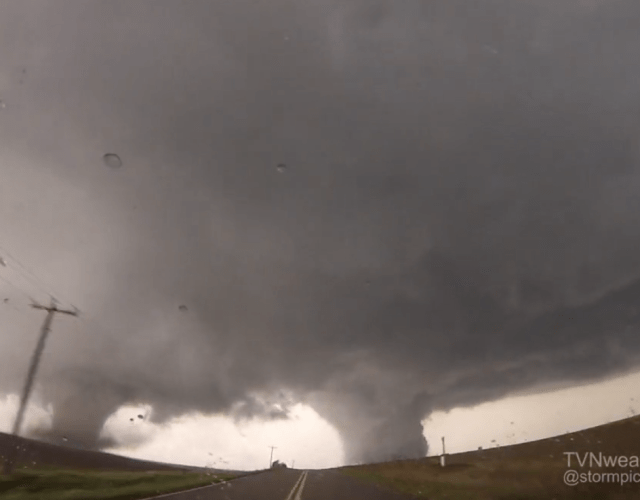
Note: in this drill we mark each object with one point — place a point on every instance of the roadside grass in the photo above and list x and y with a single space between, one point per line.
426 479
510 479
51 483
527 471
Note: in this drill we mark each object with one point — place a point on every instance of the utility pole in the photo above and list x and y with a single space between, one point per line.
12 455
271 457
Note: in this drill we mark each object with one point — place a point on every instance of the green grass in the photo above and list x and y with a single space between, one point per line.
512 479
529 471
48 483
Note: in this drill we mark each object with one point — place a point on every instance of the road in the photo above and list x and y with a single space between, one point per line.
289 485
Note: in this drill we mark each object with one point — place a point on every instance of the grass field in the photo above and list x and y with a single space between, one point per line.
489 480
51 483
529 471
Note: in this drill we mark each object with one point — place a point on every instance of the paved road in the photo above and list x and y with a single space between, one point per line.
289 485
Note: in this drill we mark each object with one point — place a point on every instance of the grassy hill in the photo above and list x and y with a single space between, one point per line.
34 452
531 471
51 472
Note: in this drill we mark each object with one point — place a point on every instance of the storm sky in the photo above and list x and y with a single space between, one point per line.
377 209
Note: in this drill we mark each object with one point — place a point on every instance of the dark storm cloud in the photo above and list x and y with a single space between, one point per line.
253 407
457 213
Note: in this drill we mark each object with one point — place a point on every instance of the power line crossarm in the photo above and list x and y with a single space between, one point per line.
54 309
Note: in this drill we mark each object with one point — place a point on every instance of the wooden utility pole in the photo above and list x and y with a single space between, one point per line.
12 455
271 457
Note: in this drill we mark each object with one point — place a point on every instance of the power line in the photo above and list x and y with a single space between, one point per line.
16 287
29 276
32 277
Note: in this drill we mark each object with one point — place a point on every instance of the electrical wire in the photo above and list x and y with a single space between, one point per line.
16 287
30 276
30 273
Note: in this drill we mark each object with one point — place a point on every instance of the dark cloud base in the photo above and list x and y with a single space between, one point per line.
457 220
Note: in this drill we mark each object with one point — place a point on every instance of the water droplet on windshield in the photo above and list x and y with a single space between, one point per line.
2 104
112 160
281 168
183 308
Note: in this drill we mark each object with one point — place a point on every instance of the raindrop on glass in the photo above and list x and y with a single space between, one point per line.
281 168
2 104
112 160
182 308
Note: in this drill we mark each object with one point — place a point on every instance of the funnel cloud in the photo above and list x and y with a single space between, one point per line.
378 209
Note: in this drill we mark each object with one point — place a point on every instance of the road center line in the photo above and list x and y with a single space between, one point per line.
295 486
304 479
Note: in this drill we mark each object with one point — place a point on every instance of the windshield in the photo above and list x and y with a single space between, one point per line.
322 232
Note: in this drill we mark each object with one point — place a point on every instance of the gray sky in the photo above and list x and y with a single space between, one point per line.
458 217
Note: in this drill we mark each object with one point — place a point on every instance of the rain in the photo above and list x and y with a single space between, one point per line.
112 160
